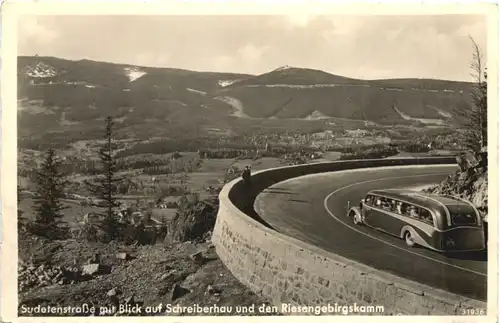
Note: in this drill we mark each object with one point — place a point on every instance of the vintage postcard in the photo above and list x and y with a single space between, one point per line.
193 160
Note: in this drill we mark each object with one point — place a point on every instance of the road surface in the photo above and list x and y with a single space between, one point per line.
313 209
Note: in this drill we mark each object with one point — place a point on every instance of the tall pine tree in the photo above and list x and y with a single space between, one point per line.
105 188
47 201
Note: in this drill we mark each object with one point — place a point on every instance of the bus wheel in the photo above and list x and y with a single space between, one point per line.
409 239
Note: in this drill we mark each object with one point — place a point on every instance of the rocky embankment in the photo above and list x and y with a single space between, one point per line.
182 274
470 182
182 270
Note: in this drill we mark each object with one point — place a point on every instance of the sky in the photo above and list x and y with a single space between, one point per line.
366 47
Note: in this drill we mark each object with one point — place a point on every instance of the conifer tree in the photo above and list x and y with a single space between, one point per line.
47 201
106 186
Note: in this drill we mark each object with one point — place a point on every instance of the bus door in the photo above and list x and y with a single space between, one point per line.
367 210
373 215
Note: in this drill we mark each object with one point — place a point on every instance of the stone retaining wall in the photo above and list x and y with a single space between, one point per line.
288 271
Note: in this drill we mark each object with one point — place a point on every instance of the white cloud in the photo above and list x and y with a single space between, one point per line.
475 30
223 63
298 20
31 30
368 72
347 25
252 53
144 58
162 59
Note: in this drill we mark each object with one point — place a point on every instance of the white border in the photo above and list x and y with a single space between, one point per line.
10 12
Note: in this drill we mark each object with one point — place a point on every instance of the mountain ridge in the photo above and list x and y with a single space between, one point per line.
64 95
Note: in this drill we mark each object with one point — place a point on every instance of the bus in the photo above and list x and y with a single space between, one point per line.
441 223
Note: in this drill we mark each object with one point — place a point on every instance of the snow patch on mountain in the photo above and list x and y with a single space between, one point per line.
316 115
225 83
133 73
423 120
294 86
40 70
443 113
196 91
177 102
236 104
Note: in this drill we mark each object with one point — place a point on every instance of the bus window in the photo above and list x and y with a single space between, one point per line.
413 212
393 205
425 216
405 209
462 215
399 208
386 204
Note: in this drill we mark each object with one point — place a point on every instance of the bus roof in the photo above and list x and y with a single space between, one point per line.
420 198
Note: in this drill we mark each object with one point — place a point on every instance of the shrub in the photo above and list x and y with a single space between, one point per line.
46 230
193 221
85 231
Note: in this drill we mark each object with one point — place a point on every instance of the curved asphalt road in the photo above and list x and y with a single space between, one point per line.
313 209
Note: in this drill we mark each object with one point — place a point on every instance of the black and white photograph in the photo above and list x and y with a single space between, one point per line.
253 164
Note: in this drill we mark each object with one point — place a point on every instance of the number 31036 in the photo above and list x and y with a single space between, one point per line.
473 311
